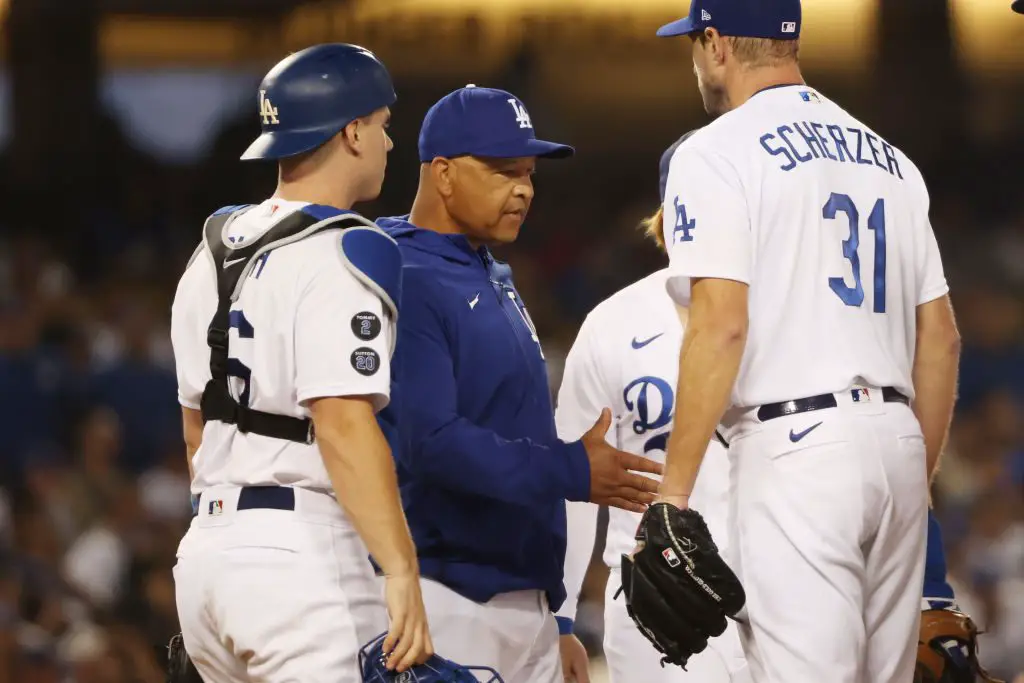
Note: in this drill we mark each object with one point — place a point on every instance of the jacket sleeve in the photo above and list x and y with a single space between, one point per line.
581 397
449 450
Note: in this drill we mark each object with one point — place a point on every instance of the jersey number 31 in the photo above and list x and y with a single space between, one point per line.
854 296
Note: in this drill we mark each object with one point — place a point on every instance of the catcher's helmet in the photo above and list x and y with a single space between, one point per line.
309 96
437 669
947 649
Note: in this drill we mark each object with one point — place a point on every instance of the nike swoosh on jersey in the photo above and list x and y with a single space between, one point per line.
228 264
641 344
799 435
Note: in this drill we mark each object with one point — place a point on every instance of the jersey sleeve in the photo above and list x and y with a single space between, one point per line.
932 277
707 224
191 354
342 338
581 397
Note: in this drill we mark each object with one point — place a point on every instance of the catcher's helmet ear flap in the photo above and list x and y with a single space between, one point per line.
372 663
310 96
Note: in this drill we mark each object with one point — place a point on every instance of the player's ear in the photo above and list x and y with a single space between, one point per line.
443 172
352 135
715 45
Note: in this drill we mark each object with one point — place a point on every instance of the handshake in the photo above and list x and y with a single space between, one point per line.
613 478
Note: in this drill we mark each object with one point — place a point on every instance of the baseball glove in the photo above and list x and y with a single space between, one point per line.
678 589
947 650
180 668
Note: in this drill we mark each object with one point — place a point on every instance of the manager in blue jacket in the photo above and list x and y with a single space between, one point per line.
484 478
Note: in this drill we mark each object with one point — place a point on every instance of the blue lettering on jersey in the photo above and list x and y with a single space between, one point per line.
683 225
804 141
658 442
638 401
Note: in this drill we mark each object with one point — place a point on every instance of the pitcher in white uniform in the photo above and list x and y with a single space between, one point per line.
283 328
626 356
821 337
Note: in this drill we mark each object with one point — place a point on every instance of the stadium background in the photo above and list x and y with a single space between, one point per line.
120 126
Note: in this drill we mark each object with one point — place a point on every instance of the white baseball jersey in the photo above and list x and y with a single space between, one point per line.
827 223
626 358
302 328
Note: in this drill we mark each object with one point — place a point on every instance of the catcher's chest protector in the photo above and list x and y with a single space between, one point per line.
233 264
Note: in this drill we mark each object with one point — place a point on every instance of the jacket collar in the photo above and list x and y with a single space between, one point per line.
451 247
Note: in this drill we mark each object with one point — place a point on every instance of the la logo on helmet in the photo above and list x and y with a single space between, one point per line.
268 112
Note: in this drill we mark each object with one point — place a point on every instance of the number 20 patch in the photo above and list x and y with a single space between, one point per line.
365 361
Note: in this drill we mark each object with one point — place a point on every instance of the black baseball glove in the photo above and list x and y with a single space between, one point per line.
947 650
180 668
678 589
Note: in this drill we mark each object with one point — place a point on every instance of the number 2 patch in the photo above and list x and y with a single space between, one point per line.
366 325
365 361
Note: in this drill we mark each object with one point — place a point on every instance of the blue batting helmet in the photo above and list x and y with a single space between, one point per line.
309 96
372 661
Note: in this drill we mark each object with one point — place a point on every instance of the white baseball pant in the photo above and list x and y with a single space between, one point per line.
830 513
513 633
631 658
276 596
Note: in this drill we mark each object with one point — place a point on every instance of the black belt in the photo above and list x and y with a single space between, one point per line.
264 498
770 411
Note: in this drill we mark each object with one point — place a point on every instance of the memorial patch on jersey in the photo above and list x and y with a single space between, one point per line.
366 325
365 361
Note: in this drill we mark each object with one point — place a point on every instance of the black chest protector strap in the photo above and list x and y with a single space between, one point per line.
233 264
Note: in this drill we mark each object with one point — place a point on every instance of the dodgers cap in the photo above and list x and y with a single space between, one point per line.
776 19
483 122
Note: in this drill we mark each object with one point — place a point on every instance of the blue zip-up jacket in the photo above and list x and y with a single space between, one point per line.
484 478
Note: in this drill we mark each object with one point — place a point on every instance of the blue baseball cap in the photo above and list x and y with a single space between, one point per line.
483 122
666 161
777 19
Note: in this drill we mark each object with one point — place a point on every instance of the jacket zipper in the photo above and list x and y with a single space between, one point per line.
511 294
526 318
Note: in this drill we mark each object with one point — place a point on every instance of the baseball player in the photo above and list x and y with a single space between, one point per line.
626 356
821 336
484 477
283 327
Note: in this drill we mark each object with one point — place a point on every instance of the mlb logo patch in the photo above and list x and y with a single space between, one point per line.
789 27
808 96
216 507
670 557
858 394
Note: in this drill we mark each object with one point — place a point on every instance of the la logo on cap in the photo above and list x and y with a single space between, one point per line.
522 118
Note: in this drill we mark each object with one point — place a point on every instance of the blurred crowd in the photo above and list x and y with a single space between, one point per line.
93 484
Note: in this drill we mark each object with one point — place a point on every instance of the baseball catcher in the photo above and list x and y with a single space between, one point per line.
678 589
947 651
